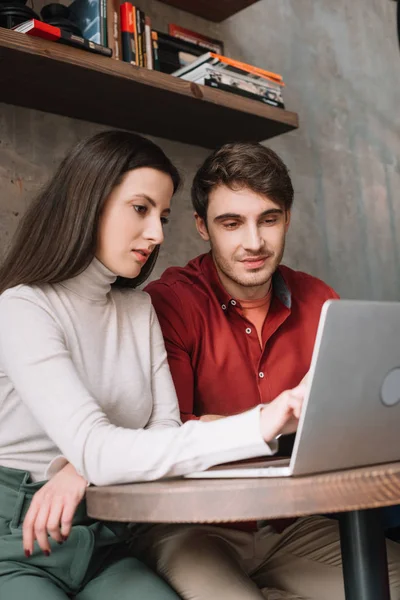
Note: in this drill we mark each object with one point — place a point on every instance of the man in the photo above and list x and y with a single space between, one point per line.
239 328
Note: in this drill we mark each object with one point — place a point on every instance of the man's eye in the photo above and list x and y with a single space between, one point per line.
140 209
231 225
270 221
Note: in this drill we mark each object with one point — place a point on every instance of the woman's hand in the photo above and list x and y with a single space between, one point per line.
209 418
52 510
281 416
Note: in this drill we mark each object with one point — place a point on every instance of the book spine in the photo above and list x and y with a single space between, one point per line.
114 28
246 67
103 22
143 28
127 33
139 36
210 44
77 41
149 50
240 92
154 43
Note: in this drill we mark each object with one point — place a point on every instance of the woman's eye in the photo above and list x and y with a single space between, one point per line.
164 221
140 209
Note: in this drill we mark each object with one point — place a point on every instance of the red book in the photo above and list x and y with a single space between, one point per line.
45 31
203 41
128 32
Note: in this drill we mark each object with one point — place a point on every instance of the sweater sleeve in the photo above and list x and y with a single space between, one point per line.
165 411
35 357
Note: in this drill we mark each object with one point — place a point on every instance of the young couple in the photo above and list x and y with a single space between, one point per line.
86 393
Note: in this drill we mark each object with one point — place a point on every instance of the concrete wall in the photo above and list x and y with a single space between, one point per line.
341 63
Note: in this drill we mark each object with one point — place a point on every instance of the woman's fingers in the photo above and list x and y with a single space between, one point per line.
52 510
69 509
40 527
28 534
54 520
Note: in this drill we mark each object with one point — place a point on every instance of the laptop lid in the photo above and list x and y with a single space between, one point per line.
351 412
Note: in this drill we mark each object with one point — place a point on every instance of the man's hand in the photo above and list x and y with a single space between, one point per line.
52 510
305 378
282 415
208 418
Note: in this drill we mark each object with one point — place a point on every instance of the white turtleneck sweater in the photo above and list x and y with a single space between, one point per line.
84 374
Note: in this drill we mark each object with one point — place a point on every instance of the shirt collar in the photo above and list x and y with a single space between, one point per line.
280 287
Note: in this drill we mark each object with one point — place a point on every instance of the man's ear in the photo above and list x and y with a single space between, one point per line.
202 227
288 215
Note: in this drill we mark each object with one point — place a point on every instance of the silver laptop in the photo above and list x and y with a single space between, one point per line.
351 411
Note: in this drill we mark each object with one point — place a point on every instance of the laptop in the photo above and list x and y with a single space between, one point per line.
351 410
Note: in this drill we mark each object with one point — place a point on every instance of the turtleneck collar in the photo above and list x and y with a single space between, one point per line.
94 283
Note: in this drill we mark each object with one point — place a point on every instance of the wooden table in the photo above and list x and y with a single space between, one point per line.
354 492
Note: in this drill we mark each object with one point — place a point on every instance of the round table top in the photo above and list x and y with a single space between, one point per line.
225 500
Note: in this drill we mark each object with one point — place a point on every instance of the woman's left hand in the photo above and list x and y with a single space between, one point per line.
52 510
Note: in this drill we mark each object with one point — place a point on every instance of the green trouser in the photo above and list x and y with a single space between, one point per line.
93 564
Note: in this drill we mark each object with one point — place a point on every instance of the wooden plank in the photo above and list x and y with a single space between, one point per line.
54 78
224 500
212 10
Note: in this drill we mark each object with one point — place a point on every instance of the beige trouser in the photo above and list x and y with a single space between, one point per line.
204 562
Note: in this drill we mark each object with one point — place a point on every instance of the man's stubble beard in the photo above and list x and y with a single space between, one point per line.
256 279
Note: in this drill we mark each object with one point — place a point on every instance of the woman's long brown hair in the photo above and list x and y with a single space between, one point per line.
57 235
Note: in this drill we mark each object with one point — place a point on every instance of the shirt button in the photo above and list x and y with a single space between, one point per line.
261 375
248 330
233 302
223 307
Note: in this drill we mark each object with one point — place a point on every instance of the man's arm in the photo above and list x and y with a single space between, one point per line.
177 332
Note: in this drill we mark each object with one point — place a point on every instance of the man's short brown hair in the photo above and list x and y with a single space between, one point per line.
243 165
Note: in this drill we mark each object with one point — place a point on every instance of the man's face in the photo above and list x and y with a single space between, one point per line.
247 234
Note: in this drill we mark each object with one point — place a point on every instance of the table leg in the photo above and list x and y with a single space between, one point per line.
363 545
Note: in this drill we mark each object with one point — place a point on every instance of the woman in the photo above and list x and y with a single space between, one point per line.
84 375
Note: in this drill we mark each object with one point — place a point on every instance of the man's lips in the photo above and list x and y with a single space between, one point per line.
254 262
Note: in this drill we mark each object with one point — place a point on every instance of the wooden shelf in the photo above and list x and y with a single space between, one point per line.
213 10
58 79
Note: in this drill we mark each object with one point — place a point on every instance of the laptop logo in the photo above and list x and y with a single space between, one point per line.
390 392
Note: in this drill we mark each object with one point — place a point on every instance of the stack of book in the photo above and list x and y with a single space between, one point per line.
233 76
36 28
97 20
166 52
124 32
179 47
139 42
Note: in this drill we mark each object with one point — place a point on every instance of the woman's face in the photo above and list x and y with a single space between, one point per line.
131 224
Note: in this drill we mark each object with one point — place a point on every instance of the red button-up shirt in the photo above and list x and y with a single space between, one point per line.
214 353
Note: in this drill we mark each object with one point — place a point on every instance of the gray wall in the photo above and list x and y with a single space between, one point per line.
341 63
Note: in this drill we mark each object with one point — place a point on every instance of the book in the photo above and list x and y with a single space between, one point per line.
114 28
139 39
127 18
143 32
103 22
229 63
267 98
269 92
90 16
203 70
199 39
148 42
45 31
154 40
174 53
